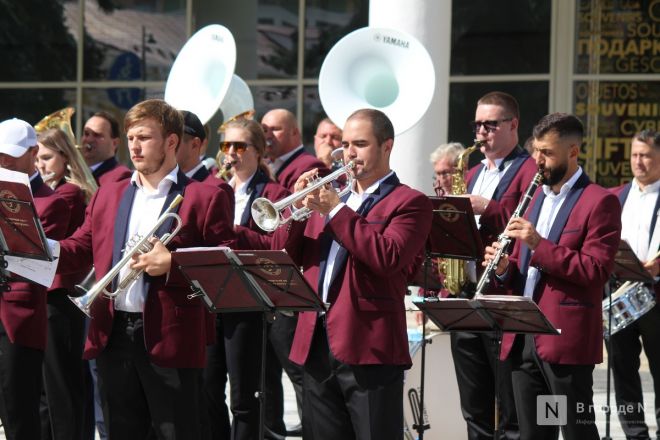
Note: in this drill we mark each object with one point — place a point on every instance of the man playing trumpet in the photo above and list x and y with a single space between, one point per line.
149 342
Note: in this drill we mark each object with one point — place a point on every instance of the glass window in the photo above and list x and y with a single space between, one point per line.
37 46
137 40
313 114
327 21
532 99
32 104
624 40
277 38
269 97
507 39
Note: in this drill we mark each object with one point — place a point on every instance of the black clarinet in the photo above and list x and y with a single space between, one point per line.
503 239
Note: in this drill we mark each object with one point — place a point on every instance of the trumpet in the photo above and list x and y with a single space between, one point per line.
224 172
269 216
136 245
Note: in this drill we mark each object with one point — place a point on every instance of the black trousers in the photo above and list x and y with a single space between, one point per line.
242 332
63 375
348 402
535 380
280 338
475 357
217 425
20 388
625 348
140 398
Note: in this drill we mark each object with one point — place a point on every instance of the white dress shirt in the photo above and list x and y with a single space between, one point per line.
551 206
145 211
241 197
354 201
276 164
636 220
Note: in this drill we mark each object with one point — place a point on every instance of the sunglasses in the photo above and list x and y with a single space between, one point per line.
239 147
490 126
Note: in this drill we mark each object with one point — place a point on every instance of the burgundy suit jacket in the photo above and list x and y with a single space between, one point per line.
366 322
511 188
622 193
296 165
75 200
111 171
23 309
174 326
575 262
205 176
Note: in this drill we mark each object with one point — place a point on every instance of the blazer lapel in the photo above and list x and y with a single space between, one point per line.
623 195
288 161
121 224
200 175
566 208
325 242
35 184
105 166
517 157
533 218
255 189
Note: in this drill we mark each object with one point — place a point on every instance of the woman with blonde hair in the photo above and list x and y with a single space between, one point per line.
63 169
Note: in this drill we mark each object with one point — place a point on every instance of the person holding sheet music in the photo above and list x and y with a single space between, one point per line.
358 253
495 187
641 204
150 341
23 310
243 146
563 256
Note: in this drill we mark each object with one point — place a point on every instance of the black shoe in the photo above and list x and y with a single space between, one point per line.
294 431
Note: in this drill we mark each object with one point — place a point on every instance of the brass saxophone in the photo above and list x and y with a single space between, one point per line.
454 269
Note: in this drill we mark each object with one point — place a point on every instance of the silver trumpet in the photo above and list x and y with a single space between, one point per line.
269 216
136 245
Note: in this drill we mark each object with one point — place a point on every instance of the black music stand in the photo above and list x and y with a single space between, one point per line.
21 233
244 281
453 235
627 268
488 314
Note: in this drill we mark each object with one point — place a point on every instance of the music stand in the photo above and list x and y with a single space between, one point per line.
453 235
627 268
243 281
488 314
21 233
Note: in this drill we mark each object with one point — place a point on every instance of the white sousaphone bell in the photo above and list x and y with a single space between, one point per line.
379 68
202 78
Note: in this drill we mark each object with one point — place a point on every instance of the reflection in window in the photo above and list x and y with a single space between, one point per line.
137 40
33 104
511 39
313 114
532 99
277 38
268 98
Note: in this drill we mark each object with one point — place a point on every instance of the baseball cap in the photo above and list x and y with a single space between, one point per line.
16 137
192 125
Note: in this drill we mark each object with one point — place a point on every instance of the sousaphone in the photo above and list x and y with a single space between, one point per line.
379 68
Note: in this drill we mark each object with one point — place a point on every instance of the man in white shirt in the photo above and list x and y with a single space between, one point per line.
564 253
641 205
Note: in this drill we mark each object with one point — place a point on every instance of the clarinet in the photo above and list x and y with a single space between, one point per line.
505 241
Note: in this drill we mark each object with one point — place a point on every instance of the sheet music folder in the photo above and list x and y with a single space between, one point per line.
21 233
454 231
627 266
243 281
503 313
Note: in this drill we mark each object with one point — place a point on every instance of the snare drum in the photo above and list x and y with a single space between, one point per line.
628 305
442 406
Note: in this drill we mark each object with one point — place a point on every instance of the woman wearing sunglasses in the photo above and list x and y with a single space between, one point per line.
243 148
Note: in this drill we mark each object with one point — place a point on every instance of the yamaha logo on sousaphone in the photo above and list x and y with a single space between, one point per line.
12 207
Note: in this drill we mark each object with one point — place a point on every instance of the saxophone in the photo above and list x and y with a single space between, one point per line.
454 269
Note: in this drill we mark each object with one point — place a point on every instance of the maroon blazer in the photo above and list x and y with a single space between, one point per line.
111 171
174 326
622 193
75 200
366 322
23 309
297 164
575 262
511 188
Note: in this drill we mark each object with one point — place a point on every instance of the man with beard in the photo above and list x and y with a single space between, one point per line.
563 256
100 141
150 341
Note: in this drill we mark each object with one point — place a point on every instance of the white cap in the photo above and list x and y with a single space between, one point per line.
16 137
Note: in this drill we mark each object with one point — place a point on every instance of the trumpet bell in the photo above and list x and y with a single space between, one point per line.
202 72
379 68
265 214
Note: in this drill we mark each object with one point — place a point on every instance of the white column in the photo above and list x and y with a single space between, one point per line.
430 22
